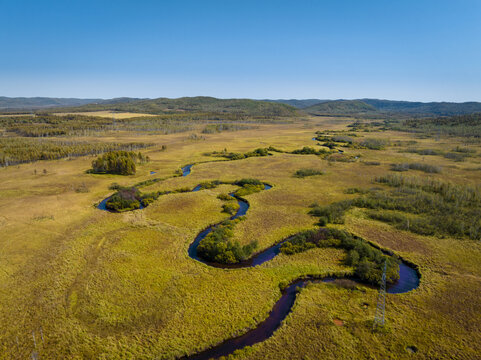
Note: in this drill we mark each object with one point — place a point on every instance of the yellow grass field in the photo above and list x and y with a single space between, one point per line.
106 114
100 285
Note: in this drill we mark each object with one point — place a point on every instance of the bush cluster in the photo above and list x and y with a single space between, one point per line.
302 173
374 144
117 162
424 151
367 261
332 213
307 150
231 206
218 247
427 168
239 156
248 186
125 199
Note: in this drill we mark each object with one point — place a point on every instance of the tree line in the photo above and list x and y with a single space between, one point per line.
17 150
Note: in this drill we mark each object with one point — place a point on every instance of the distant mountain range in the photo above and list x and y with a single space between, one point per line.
35 103
367 107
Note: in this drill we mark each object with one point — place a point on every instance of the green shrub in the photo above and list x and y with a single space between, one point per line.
374 144
217 246
416 166
371 163
368 262
249 189
125 199
342 139
302 173
464 150
248 181
307 150
424 151
273 149
209 184
230 208
239 156
257 152
455 156
183 190
225 197
333 213
114 186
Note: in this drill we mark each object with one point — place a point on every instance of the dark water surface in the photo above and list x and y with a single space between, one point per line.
186 169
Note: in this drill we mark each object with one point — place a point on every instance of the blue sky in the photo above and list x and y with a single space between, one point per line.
408 50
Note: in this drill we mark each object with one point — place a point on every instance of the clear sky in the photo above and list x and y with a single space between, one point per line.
427 50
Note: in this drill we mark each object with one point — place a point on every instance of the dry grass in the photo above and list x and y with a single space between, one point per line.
119 286
107 114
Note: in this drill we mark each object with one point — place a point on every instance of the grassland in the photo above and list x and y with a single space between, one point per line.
107 114
121 286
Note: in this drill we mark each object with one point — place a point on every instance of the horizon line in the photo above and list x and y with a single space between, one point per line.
238 98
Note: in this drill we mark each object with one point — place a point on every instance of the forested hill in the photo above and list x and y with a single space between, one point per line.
382 107
300 104
203 104
420 108
459 125
36 103
341 107
40 102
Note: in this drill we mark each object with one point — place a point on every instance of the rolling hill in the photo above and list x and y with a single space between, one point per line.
420 108
382 107
298 103
341 107
37 103
245 107
41 102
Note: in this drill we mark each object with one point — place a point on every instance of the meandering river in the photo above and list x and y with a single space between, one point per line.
408 280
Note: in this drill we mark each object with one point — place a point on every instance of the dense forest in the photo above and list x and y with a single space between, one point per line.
118 162
18 150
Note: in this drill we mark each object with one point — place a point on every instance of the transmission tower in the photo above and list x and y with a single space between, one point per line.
381 302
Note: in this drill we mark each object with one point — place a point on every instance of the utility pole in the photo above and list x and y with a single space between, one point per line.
381 301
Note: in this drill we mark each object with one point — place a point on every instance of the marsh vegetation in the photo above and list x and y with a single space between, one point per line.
104 285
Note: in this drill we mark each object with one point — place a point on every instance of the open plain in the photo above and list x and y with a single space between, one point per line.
91 284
